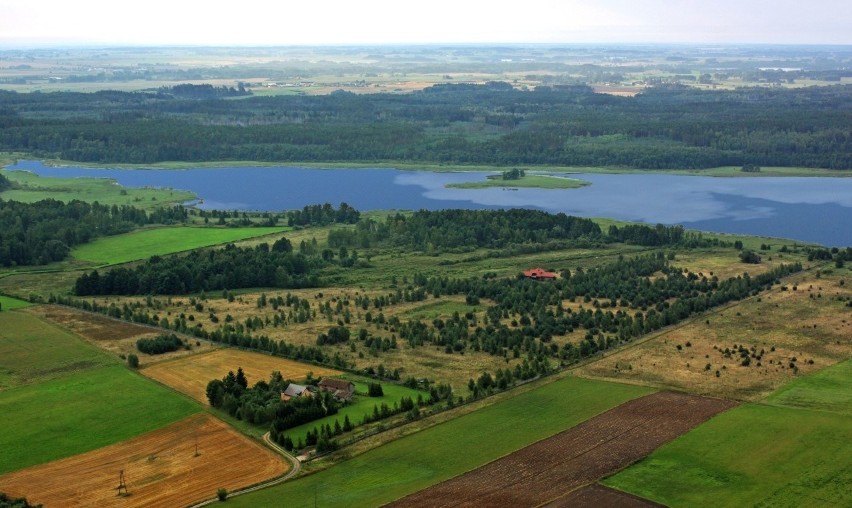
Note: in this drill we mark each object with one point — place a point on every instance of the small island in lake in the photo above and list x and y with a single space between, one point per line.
515 178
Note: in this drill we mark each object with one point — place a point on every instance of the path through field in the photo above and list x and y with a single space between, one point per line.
554 467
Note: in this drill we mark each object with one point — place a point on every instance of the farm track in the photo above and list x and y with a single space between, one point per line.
599 496
548 470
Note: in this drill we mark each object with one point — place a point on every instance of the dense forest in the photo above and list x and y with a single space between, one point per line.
664 127
41 232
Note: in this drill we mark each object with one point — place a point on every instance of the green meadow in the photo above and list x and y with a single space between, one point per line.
9 303
33 350
161 241
30 188
753 455
81 412
827 390
446 450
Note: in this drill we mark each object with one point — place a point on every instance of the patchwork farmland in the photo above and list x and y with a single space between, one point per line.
161 469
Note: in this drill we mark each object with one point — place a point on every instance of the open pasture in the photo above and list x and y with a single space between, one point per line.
794 332
430 456
190 374
145 243
553 467
753 455
81 412
161 469
33 350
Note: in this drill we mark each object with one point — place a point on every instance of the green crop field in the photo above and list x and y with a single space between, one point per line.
446 450
9 303
753 455
161 241
827 390
31 188
34 350
81 412
361 406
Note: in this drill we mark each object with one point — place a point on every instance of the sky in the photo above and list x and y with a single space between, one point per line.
341 22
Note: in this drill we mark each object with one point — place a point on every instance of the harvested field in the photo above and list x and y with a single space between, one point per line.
554 467
116 336
599 496
191 374
160 468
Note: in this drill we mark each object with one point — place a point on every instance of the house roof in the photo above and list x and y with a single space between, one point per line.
336 384
294 390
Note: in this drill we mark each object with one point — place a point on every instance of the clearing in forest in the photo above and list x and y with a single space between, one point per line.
551 468
190 374
161 468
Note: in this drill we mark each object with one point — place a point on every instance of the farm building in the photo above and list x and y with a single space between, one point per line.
293 390
539 274
341 389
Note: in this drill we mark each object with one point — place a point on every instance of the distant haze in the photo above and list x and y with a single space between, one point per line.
287 22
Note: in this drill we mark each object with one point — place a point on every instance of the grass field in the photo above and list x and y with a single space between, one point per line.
754 455
190 374
361 406
446 450
161 468
81 412
9 303
530 181
827 390
31 188
33 350
161 241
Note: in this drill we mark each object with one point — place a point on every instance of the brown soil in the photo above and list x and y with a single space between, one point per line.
191 374
599 496
160 468
548 470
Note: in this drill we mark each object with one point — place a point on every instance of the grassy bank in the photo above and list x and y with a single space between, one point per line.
30 188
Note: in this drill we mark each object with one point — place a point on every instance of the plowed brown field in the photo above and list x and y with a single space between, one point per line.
553 467
190 374
160 468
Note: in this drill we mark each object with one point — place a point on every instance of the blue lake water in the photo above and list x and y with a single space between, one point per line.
807 209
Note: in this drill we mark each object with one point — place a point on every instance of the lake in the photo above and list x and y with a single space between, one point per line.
812 209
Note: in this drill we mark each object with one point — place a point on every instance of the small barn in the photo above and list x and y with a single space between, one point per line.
293 390
341 389
539 274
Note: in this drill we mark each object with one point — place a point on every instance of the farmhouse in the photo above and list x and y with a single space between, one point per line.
341 389
293 390
539 274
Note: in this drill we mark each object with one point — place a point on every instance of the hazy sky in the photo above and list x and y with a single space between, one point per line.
295 22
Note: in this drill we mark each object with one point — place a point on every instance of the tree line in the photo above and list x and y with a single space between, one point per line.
45 231
666 127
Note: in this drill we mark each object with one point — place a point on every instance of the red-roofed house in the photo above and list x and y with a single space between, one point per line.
539 274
